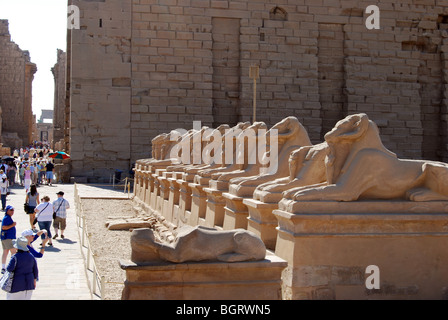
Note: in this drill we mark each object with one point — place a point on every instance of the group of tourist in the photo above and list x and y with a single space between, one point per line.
33 168
33 172
42 212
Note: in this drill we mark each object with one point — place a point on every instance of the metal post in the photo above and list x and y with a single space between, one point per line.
83 229
94 282
254 72
103 286
88 258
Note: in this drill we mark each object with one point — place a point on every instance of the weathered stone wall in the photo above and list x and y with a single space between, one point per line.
16 76
100 84
170 62
59 114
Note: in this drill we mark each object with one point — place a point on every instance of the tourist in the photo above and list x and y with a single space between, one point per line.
8 234
4 185
25 271
4 168
60 221
44 213
31 236
31 166
32 200
27 177
34 171
21 173
12 170
40 166
49 167
44 172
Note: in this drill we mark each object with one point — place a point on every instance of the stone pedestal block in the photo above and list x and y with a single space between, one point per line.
214 216
257 280
198 204
235 212
184 201
165 193
262 221
329 245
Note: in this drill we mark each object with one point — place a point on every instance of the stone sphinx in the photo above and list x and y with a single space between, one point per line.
246 149
197 244
306 166
223 166
291 135
372 206
162 149
208 137
358 166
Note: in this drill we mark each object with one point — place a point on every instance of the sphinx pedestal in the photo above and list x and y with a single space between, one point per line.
214 216
262 221
184 211
253 280
329 245
198 204
235 212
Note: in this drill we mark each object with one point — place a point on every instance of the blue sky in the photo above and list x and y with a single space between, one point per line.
39 26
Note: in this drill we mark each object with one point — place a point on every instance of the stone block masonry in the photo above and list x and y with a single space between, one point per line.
100 92
59 113
16 76
143 67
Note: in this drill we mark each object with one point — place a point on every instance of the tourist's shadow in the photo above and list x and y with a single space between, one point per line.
66 241
52 249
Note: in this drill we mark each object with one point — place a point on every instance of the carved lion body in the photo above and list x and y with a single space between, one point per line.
358 166
198 244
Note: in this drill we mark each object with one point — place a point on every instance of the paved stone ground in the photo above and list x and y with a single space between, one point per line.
61 270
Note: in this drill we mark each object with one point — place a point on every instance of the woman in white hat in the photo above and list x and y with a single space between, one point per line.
31 236
25 271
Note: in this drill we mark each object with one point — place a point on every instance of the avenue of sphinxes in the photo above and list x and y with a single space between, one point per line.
154 66
330 212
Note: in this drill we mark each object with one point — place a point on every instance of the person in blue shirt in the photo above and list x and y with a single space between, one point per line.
24 266
32 236
8 234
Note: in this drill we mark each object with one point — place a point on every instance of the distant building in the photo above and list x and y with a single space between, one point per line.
44 127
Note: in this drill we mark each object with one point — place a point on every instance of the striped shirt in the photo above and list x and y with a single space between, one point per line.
61 208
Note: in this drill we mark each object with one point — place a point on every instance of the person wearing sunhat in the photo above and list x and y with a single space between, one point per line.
60 207
25 271
32 236
8 234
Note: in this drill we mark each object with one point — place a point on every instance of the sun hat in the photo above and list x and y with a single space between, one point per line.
21 244
28 232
